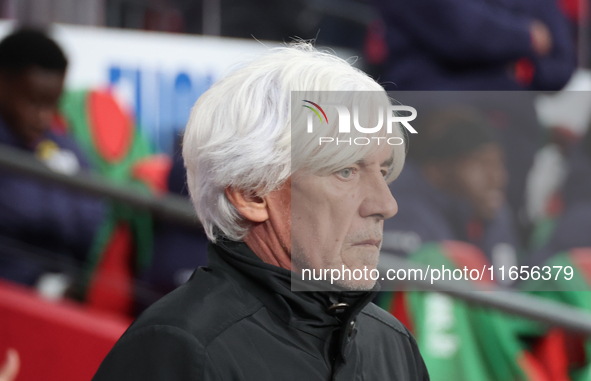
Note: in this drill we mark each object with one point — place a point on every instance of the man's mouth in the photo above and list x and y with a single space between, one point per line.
369 242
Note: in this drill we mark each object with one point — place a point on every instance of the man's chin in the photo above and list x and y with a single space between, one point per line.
356 285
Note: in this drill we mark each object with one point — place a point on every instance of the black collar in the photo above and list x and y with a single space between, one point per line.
307 311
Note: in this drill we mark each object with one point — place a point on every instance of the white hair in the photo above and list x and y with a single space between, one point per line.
239 132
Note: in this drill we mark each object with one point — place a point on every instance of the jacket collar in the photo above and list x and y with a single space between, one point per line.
307 311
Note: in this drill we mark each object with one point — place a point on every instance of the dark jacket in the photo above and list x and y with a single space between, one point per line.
57 223
238 319
470 44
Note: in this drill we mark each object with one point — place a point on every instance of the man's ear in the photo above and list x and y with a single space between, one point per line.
253 208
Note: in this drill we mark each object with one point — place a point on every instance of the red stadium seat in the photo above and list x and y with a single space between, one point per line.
55 340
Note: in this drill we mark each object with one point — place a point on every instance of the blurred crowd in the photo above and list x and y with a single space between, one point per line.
470 173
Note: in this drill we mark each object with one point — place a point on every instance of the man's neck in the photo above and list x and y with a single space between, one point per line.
269 246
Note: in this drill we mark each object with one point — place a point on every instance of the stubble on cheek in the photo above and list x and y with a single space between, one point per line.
356 257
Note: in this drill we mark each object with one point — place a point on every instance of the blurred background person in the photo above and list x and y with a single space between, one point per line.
453 188
45 219
483 45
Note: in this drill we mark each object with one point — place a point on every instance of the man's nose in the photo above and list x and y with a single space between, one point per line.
379 201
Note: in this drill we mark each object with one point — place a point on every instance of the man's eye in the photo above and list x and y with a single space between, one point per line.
346 172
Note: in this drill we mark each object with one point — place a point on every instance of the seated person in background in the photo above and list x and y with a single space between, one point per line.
48 222
452 188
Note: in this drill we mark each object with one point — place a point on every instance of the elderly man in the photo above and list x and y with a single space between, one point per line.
274 202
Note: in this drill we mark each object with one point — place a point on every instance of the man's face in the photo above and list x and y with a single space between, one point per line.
337 220
481 177
29 99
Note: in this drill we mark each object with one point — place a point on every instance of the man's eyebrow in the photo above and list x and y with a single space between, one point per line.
388 163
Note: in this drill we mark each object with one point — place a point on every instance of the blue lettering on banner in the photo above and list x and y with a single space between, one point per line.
161 101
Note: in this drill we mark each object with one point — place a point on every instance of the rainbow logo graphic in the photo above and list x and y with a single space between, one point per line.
316 112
